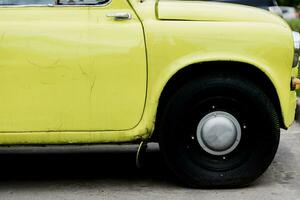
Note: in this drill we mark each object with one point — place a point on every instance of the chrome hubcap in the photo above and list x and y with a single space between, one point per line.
218 133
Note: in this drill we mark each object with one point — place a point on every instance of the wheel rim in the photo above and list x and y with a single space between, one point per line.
218 133
216 161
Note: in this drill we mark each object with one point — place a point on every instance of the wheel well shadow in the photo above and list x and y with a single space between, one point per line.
228 68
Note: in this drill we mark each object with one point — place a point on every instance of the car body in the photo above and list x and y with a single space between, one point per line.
103 73
270 5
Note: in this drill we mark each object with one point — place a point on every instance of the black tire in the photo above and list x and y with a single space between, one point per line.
232 94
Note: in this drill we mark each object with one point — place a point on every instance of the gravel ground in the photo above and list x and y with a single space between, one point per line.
110 173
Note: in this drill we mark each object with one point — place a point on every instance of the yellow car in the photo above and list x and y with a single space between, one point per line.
213 83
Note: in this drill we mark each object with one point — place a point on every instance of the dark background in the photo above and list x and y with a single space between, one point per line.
294 3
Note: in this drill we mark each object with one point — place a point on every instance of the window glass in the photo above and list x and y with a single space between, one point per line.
61 2
81 2
24 2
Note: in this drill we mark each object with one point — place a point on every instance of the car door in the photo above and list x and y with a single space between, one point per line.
75 65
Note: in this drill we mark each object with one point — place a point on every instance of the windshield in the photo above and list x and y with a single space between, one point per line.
24 2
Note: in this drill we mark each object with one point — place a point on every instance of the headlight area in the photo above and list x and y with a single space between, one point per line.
296 37
295 82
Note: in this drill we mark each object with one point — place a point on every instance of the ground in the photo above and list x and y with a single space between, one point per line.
110 173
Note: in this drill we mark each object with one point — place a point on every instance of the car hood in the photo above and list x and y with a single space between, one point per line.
214 11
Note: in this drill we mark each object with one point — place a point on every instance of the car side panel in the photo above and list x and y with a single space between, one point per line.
173 45
68 68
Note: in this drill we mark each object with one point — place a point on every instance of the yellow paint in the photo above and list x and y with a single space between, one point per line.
71 75
214 12
227 33
70 68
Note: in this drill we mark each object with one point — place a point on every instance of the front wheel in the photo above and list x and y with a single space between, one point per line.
219 131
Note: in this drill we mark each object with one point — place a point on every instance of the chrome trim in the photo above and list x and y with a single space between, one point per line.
296 38
119 16
219 133
54 5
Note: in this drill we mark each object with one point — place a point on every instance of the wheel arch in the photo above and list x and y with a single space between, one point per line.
210 67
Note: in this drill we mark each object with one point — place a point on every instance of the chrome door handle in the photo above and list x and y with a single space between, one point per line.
118 16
